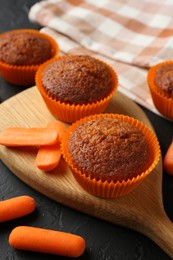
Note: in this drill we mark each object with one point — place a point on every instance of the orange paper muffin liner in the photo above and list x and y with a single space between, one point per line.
25 75
71 112
163 103
112 189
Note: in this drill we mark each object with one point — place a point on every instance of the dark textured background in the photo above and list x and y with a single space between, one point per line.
104 240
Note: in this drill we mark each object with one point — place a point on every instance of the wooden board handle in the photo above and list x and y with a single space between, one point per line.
161 232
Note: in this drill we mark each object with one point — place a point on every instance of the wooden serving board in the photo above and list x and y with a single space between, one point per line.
141 210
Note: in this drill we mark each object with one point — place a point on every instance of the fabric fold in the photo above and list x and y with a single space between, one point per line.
134 32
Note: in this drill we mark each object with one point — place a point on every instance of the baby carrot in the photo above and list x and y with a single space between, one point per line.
59 126
49 156
16 207
16 136
168 159
46 241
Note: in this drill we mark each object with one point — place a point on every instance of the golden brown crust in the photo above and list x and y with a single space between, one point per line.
77 79
164 79
108 149
24 48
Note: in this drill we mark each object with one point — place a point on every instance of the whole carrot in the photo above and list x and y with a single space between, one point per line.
16 207
16 136
47 241
168 160
49 156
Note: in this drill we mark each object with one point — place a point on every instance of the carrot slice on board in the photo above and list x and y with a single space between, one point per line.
49 156
16 136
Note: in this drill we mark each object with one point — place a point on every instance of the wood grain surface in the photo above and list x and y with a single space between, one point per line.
141 210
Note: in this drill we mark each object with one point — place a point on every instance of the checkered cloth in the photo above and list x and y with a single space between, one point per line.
130 35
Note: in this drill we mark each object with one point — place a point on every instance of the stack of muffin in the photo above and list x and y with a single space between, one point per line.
108 154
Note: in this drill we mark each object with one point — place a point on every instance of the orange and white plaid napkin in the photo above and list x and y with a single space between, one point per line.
130 35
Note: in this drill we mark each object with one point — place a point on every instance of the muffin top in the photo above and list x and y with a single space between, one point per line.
164 79
77 79
108 149
24 48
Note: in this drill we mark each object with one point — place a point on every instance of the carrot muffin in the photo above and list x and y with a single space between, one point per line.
160 81
78 79
108 149
164 79
23 51
74 86
24 48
